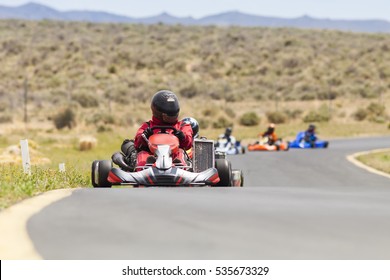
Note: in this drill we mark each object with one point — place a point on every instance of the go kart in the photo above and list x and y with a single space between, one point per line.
264 146
223 146
205 168
300 143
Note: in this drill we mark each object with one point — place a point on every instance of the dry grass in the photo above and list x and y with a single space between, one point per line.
379 161
106 73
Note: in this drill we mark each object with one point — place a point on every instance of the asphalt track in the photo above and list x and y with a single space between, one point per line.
300 204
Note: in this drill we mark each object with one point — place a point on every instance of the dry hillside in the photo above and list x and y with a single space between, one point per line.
105 74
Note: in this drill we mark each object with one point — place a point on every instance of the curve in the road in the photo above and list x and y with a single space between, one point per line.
15 242
296 205
353 158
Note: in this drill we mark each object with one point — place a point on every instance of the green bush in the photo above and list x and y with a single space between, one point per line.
249 119
276 117
376 112
65 118
316 116
221 123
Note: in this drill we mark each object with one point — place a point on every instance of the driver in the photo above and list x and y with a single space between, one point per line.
165 109
310 135
270 134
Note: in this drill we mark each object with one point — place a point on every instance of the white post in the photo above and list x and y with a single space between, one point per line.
25 156
61 166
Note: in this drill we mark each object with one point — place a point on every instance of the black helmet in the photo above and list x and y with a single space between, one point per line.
228 131
194 125
165 106
271 127
312 127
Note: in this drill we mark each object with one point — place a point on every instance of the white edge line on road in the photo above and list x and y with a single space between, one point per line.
15 243
352 159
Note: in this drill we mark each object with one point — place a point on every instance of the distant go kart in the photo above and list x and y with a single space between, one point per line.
223 146
264 146
205 168
300 143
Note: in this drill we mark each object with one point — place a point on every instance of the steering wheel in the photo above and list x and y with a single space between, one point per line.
164 128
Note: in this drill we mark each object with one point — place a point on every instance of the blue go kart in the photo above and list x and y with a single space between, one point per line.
300 143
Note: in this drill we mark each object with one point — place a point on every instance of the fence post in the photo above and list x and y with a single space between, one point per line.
25 156
61 167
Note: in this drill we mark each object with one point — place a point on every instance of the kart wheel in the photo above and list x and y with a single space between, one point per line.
93 172
99 174
326 144
238 178
224 168
243 150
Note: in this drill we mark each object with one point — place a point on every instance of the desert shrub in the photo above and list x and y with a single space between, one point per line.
189 91
293 114
5 118
86 100
209 112
327 95
203 123
3 106
231 97
249 119
221 123
376 109
316 116
65 118
230 112
360 114
215 95
276 117
376 112
308 96
99 118
112 69
103 128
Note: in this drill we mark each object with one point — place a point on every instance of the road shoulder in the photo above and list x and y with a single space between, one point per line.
15 243
353 159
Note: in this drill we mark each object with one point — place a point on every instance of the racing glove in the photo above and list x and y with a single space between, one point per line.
179 134
148 132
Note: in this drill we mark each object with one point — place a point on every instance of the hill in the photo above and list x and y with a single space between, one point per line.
106 73
34 11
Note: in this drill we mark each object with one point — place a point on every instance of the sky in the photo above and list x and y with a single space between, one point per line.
333 9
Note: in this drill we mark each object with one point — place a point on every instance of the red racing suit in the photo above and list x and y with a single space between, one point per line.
142 147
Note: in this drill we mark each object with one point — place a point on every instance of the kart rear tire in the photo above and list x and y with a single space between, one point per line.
224 168
99 174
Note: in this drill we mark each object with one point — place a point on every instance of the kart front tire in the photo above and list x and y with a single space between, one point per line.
224 168
99 174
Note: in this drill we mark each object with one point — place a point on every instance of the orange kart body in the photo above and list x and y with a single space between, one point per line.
283 146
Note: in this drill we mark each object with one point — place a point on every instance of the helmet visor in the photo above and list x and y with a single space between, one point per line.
170 119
